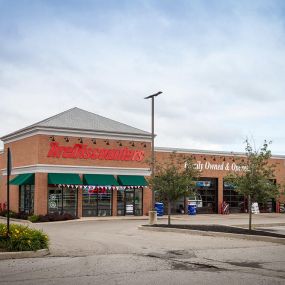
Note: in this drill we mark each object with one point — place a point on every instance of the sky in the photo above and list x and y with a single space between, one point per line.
220 66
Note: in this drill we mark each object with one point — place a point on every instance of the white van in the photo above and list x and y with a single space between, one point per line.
195 199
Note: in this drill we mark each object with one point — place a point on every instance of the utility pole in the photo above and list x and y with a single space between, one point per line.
9 169
152 142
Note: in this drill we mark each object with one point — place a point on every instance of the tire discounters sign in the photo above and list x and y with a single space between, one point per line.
82 151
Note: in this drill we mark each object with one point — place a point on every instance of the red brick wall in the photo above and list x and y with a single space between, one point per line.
14 194
24 152
147 200
44 146
161 157
41 194
34 150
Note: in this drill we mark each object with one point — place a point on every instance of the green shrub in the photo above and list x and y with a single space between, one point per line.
4 213
33 218
22 238
14 215
52 217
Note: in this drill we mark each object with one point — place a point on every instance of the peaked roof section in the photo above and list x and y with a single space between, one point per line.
77 118
81 120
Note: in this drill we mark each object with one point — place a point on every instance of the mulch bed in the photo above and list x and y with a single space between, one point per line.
221 229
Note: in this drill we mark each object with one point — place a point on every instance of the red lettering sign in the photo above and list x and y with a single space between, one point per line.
81 151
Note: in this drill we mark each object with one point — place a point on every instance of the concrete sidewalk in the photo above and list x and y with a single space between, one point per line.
230 220
264 219
233 219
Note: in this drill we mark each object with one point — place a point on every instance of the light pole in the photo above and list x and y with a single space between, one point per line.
152 141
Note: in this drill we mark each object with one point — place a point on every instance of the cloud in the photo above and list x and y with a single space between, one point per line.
220 67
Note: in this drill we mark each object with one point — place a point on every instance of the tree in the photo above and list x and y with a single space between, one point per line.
255 180
174 179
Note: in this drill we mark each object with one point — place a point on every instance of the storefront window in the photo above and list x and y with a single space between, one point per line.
105 202
89 203
120 202
138 202
26 201
97 202
62 200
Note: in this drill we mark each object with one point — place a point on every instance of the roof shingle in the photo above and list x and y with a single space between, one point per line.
78 119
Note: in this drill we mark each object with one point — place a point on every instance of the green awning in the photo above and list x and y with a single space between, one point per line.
64 178
132 180
24 179
99 180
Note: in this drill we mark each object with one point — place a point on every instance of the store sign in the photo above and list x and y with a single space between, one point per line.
82 151
224 166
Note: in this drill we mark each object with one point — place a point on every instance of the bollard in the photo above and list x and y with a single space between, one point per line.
152 217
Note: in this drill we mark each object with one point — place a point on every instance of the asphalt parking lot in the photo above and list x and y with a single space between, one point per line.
114 251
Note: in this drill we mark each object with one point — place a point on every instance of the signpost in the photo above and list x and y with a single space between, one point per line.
9 169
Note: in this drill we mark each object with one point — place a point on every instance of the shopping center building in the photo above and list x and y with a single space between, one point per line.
88 165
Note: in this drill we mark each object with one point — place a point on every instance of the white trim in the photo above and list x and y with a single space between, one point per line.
49 168
196 151
207 152
70 132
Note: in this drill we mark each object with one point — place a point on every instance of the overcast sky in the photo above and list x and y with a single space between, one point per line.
220 65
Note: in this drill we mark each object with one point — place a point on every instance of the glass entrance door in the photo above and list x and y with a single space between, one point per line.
129 202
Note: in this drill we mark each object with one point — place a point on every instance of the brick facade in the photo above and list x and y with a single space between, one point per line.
210 164
32 151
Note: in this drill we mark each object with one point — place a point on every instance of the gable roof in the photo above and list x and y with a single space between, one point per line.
76 119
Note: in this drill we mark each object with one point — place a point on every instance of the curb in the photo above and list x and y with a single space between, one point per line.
16 220
260 225
23 254
214 234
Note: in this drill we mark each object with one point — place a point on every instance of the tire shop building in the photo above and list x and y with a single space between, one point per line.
84 164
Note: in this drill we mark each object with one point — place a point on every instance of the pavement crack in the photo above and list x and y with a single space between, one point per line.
251 268
245 264
189 265
181 263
